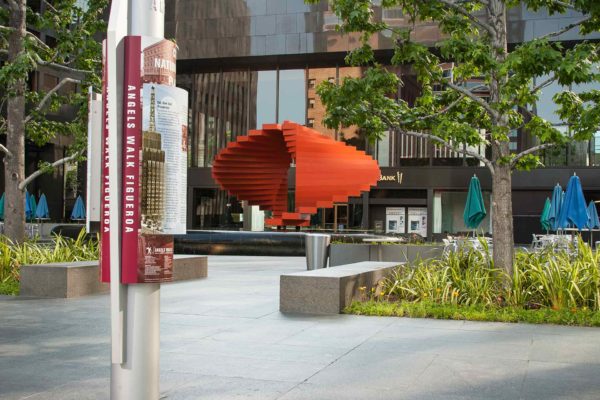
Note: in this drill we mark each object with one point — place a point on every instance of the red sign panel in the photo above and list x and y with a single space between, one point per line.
155 263
153 153
105 190
132 138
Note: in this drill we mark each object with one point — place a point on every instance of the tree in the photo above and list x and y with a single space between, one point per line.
74 55
455 116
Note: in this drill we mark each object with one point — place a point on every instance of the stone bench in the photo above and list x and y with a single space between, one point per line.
75 279
329 290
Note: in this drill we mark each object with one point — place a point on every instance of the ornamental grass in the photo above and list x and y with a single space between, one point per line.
61 249
556 279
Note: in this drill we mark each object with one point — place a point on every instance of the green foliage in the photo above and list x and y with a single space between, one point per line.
471 44
477 312
547 279
464 277
12 256
75 52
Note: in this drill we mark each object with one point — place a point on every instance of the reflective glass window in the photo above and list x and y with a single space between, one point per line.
546 108
266 98
292 96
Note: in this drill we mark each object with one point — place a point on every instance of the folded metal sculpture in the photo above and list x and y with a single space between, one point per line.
255 168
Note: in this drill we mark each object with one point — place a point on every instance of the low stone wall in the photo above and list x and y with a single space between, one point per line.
76 279
329 290
345 253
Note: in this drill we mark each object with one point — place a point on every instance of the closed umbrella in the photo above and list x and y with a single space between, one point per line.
42 210
574 209
79 209
555 206
474 208
28 213
593 221
32 205
2 207
545 221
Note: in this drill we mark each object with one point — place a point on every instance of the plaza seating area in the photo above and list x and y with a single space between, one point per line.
481 243
330 290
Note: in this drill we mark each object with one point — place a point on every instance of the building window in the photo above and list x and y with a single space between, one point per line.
312 83
292 95
331 79
310 122
266 98
311 103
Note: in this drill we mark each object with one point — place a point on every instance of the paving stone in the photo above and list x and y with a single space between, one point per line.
224 338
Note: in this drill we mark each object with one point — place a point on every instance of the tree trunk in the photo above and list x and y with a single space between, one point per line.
502 218
14 164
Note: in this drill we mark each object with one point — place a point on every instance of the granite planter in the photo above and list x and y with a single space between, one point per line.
348 253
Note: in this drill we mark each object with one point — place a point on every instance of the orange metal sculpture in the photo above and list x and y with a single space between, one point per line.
255 168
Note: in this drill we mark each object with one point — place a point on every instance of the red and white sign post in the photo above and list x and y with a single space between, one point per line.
144 137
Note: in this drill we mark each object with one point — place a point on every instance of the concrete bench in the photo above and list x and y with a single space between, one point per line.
329 290
76 279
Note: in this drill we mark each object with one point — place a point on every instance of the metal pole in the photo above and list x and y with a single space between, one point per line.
136 376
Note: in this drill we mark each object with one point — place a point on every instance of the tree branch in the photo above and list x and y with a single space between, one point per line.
58 163
445 143
544 84
473 97
565 5
565 29
30 34
50 6
456 7
442 111
440 141
532 150
6 151
48 95
60 67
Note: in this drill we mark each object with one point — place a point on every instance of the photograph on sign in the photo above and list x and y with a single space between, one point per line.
164 159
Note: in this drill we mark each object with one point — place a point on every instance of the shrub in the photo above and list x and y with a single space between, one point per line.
12 256
557 279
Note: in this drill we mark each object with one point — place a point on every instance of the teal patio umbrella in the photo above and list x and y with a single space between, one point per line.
474 208
544 219
79 209
555 205
42 210
2 207
573 211
32 205
593 221
28 213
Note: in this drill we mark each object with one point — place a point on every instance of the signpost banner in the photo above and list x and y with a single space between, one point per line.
104 179
154 153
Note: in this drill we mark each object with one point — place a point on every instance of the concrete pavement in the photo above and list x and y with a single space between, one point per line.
224 338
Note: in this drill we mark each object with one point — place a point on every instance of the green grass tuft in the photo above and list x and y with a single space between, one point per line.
12 256
477 312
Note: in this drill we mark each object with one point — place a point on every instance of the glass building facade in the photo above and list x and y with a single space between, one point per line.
250 62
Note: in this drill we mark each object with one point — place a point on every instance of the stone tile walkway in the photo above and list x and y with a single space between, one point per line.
223 338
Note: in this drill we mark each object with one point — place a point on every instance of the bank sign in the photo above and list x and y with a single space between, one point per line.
153 163
391 176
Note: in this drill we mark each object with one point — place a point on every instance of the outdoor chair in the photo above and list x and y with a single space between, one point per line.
449 246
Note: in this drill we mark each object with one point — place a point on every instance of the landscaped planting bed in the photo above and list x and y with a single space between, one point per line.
561 287
62 249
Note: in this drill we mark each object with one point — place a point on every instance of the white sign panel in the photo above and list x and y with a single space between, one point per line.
417 220
395 220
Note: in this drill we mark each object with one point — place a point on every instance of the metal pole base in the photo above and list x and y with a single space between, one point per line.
138 377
